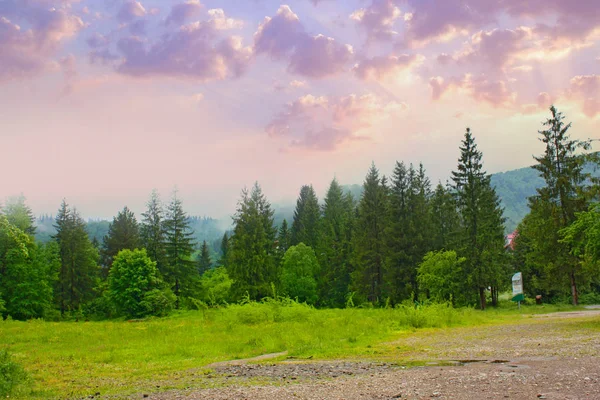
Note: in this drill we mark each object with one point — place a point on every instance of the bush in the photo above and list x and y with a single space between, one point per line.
158 302
12 375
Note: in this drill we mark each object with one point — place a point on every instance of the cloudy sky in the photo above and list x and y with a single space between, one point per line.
101 101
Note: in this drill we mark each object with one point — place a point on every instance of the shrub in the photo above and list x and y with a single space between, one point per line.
12 375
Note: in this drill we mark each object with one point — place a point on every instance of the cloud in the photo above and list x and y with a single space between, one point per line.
221 22
31 35
183 11
193 52
295 84
326 123
378 19
283 37
585 89
378 68
493 91
130 10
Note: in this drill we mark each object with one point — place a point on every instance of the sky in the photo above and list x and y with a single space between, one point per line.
102 101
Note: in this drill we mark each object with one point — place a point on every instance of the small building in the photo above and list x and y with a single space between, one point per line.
510 240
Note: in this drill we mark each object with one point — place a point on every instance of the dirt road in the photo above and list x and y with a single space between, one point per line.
554 356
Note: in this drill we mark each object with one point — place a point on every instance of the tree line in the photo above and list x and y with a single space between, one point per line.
402 240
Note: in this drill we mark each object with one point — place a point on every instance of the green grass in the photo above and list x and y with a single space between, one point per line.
77 359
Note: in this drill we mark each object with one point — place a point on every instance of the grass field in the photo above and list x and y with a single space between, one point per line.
77 359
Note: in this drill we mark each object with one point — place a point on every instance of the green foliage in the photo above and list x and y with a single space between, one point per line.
369 239
441 276
134 285
152 232
216 286
305 227
123 233
251 261
78 261
204 262
19 214
180 270
567 191
26 273
12 375
334 251
298 275
481 236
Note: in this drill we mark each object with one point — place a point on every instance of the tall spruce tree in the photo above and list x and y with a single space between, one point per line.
152 231
305 227
180 269
204 261
123 233
283 237
567 191
370 238
225 245
444 219
333 250
482 224
251 261
78 260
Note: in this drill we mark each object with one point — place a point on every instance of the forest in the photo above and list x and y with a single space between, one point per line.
402 241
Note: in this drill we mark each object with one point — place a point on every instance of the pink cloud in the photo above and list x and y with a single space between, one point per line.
378 19
544 100
193 52
325 123
481 88
130 10
31 36
283 37
378 68
183 11
586 90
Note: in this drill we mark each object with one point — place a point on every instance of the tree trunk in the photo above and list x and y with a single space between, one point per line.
574 289
177 294
494 296
482 298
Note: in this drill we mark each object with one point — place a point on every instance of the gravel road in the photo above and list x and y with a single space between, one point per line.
534 358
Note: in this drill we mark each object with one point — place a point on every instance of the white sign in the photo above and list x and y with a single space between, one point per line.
517 284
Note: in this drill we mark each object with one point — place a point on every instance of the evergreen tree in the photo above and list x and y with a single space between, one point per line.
251 261
19 214
567 191
225 245
152 232
444 219
180 269
370 238
204 262
123 233
78 261
333 248
283 237
482 224
305 227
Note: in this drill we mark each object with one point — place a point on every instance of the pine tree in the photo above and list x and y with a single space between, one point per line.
283 237
482 224
305 227
251 261
152 232
123 233
370 237
567 191
180 269
225 245
444 219
333 248
204 262
79 260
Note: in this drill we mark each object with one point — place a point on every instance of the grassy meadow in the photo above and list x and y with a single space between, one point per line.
78 359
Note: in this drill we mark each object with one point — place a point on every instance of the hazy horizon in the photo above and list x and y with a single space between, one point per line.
102 102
